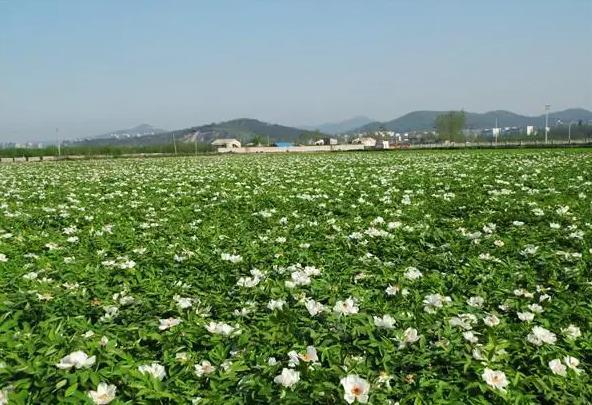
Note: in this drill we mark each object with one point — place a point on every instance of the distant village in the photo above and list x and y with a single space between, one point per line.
380 139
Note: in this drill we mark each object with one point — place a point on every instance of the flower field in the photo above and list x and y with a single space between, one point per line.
410 277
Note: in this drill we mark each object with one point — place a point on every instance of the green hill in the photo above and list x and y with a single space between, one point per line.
243 129
420 120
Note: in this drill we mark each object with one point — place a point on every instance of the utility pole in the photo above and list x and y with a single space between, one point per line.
496 130
59 143
547 107
195 137
174 144
569 132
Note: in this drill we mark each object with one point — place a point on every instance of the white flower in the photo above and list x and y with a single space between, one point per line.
248 282
557 367
536 308
3 397
571 332
310 355
356 388
299 278
476 302
409 336
231 258
104 394
544 297
433 301
477 353
525 316
3 258
312 271
562 210
88 334
496 379
77 359
413 273
287 378
168 323
491 320
464 321
572 363
540 335
294 359
314 307
386 321
155 370
522 292
220 328
183 302
347 307
182 357
204 368
530 250
470 336
276 304
392 290
271 361
30 276
110 312
384 378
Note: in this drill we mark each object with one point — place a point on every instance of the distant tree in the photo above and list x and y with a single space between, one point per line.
450 125
258 140
308 137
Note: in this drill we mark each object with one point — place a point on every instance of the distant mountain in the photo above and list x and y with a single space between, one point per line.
243 129
341 127
138 131
422 120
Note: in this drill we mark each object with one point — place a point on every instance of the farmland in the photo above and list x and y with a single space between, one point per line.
410 277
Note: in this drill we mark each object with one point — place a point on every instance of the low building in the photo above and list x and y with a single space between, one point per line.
382 145
281 144
227 143
366 141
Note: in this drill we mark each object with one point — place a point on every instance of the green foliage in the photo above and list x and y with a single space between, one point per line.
108 150
216 238
450 125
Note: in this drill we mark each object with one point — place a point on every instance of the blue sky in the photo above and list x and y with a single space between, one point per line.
88 67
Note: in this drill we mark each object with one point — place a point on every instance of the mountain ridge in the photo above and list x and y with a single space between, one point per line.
245 129
424 120
341 127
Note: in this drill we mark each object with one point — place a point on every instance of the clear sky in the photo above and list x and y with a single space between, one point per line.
87 67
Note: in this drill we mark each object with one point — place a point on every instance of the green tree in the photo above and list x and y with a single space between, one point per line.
258 140
450 125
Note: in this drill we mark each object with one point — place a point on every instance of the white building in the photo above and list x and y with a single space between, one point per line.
227 143
530 130
366 141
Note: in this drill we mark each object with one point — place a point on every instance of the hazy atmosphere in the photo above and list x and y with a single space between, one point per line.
92 67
